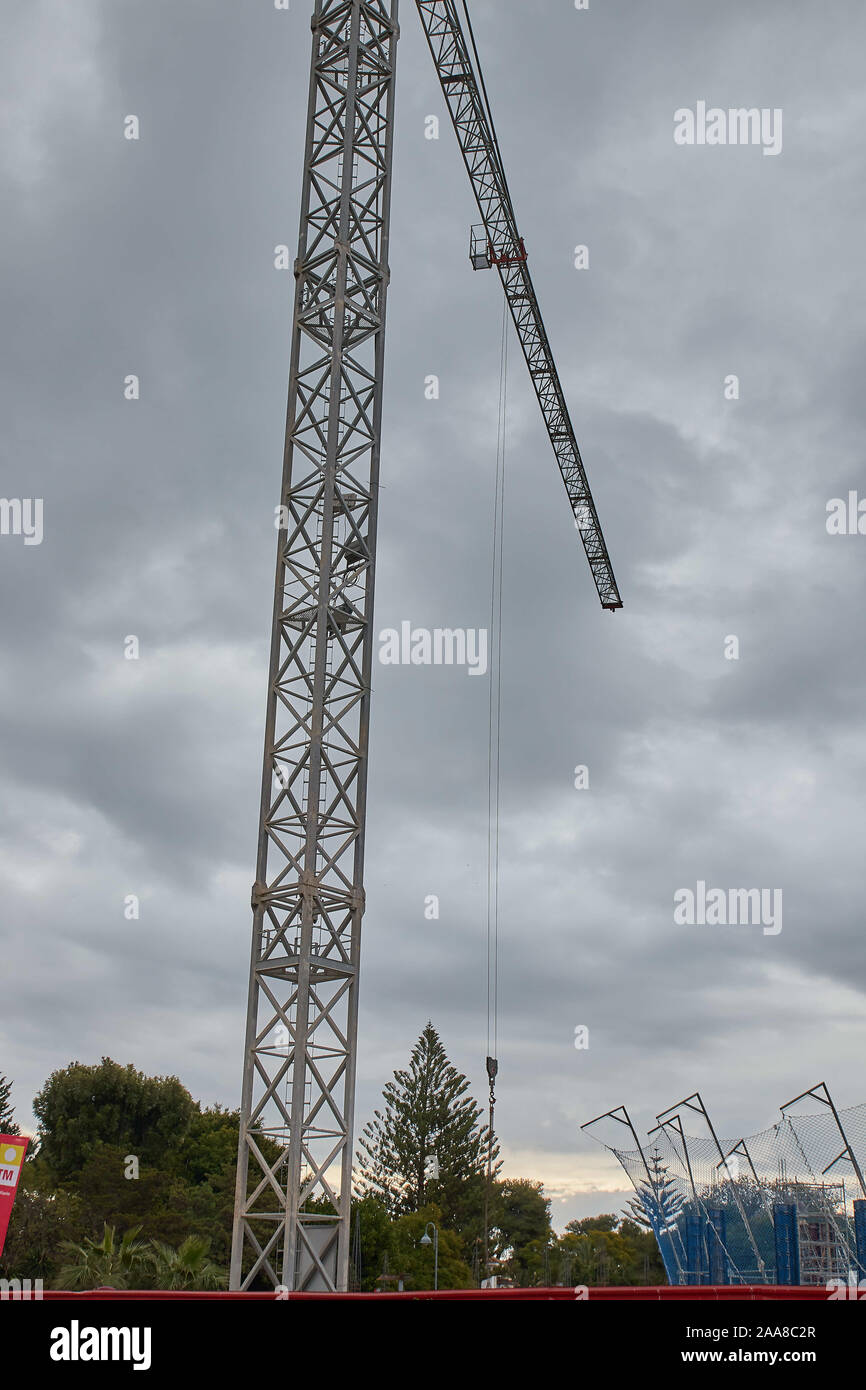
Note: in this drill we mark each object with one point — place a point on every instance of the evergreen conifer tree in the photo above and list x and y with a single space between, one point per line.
427 1138
7 1124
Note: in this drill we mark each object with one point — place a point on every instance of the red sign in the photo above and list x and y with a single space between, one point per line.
12 1150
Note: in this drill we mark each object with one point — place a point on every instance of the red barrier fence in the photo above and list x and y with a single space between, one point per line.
733 1293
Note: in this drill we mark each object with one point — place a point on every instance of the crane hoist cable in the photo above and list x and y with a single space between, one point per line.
494 780
494 738
499 243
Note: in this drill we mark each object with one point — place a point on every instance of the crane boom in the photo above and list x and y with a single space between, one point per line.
503 247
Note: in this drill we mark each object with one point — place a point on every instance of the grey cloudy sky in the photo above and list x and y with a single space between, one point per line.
156 257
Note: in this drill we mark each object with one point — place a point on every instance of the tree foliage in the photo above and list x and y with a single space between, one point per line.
414 1262
83 1218
658 1202
187 1267
82 1107
127 1262
427 1116
592 1253
521 1227
107 1263
40 1223
7 1123
388 1253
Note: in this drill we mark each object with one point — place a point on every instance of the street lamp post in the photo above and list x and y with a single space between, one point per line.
425 1240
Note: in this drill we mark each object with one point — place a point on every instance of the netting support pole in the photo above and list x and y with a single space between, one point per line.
787 1235
860 1235
717 1246
621 1115
701 1109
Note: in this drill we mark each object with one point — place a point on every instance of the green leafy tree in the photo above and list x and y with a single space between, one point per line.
107 1263
209 1146
81 1107
415 1263
462 1206
428 1121
92 1119
190 1192
606 1222
371 1242
521 1229
39 1225
386 1251
7 1124
606 1250
205 1168
157 1199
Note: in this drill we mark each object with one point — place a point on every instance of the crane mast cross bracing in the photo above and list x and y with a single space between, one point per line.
476 135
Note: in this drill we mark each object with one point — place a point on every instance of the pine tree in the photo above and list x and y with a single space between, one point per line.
658 1203
7 1125
427 1141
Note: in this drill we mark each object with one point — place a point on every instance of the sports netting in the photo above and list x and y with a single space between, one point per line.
722 1220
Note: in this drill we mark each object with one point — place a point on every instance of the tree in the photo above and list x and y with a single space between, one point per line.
427 1116
81 1107
371 1242
7 1125
108 1263
658 1202
605 1222
187 1267
39 1225
156 1199
210 1144
205 1168
593 1251
520 1218
415 1263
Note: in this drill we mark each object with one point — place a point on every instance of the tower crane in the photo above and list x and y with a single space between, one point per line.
294 1173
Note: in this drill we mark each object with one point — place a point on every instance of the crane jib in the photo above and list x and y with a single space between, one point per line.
500 245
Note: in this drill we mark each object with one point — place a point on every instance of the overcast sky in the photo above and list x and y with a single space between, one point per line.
120 777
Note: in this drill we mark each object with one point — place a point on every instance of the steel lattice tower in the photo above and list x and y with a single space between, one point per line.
293 1191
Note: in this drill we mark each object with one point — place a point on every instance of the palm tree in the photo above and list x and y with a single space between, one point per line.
187 1267
107 1263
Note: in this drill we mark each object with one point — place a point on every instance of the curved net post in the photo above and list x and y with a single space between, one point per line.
847 1153
752 1256
657 1201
